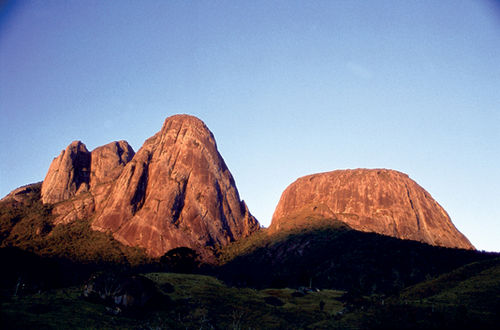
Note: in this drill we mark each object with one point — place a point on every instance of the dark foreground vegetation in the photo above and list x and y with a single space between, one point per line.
203 302
329 254
321 276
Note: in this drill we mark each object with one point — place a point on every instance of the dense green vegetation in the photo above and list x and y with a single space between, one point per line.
476 285
21 220
36 255
465 298
28 226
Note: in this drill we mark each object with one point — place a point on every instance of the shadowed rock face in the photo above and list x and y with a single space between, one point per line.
68 174
381 201
176 191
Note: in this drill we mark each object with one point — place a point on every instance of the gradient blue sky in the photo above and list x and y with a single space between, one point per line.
288 88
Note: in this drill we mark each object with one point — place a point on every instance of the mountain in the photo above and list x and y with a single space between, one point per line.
175 191
371 200
107 213
68 174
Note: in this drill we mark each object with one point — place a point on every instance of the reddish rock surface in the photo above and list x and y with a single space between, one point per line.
79 181
108 162
176 191
372 200
68 174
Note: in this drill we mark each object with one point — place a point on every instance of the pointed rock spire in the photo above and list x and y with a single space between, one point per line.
176 191
68 174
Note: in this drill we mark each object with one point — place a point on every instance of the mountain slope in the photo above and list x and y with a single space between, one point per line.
377 200
328 254
475 285
27 224
175 191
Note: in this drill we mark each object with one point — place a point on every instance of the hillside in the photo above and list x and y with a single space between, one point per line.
26 223
465 298
37 255
476 285
352 248
326 253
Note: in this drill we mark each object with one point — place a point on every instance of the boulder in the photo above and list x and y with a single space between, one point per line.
133 291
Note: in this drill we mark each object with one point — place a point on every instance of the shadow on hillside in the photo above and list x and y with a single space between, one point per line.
335 256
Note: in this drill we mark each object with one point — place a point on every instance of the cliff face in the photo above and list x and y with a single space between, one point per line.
68 174
176 191
381 201
108 161
78 181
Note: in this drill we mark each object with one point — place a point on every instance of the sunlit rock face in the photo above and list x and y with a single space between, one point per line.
78 181
108 162
371 200
68 174
176 191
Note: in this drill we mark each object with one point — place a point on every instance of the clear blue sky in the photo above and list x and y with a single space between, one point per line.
288 88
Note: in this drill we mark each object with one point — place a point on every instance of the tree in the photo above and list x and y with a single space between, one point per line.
181 260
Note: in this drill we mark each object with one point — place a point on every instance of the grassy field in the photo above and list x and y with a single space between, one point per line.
198 302
467 297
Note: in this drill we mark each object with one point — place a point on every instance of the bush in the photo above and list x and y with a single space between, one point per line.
181 260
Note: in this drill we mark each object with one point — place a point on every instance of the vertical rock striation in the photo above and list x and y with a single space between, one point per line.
176 191
377 200
107 164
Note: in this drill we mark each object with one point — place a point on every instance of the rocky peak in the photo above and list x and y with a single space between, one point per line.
68 174
176 191
108 161
373 200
